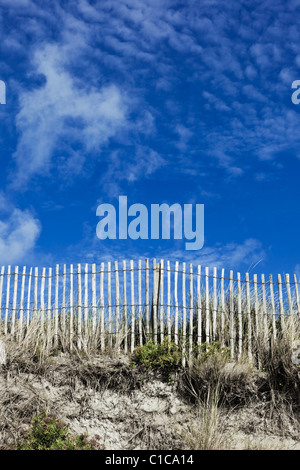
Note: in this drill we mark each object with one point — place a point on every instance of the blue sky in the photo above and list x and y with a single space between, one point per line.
162 101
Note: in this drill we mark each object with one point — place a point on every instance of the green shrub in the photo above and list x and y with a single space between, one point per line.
47 432
165 356
208 350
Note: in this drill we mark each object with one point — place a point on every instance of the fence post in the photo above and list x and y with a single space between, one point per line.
48 316
125 306
161 298
169 301
22 304
140 301
109 304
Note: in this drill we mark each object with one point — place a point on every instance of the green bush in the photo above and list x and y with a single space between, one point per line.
165 356
208 350
47 432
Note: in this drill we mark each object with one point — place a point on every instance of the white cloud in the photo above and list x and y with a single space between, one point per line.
18 235
61 110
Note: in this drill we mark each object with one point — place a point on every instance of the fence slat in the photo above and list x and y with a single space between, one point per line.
64 299
102 302
231 313
56 306
14 307
117 286
1 289
184 317
281 308
199 309
207 322
264 311
71 307
125 306
42 305
94 307
140 302
161 326
132 305
214 332
297 294
248 303
169 301
22 304
273 307
176 303
191 316
49 306
109 304
240 319
79 307
147 299
28 299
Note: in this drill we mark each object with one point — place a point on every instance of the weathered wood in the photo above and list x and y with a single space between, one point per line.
176 304
240 319
14 307
132 306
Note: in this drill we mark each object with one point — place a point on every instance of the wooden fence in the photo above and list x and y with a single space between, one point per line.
126 304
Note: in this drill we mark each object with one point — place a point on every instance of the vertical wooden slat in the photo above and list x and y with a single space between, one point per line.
281 308
256 305
265 313
49 306
1 290
273 307
231 313
22 304
94 301
109 304
42 316
297 294
79 307
7 298
14 306
56 306
125 307
36 278
207 319
199 309
169 301
71 307
239 304
132 306
117 306
147 298
64 300
291 312
176 303
140 302
191 316
154 300
248 307
28 299
222 308
86 299
161 300
214 304
102 322
184 316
